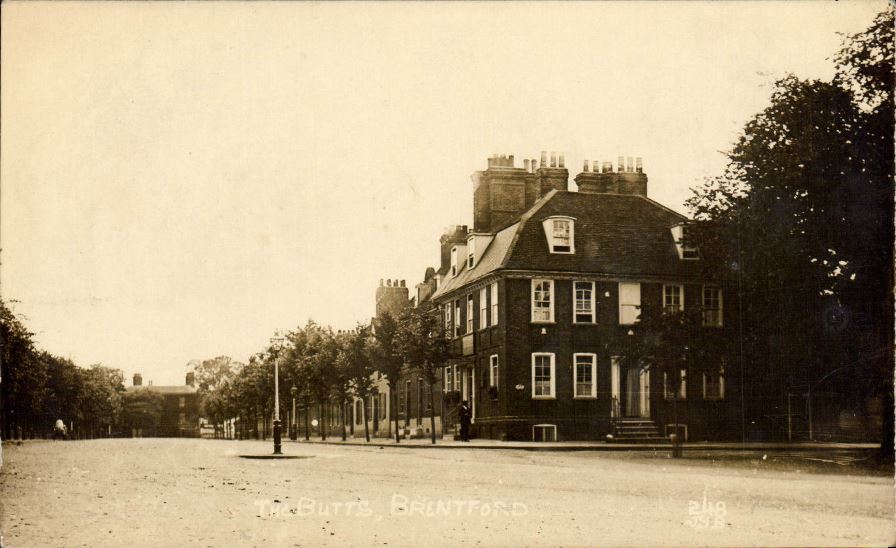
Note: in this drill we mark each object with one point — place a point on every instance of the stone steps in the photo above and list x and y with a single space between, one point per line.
637 431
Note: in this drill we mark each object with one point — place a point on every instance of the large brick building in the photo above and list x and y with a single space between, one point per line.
180 409
542 296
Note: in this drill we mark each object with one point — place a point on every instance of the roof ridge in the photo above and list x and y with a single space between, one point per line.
524 218
669 209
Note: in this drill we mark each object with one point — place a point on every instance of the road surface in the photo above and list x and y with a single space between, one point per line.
179 492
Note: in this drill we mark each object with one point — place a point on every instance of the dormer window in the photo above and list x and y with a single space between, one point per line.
684 244
560 233
471 253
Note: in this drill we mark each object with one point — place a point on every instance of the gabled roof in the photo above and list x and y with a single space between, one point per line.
615 234
490 260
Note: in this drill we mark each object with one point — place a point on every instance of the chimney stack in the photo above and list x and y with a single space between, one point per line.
629 177
555 177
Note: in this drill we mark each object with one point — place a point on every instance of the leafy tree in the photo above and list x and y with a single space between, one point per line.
801 222
101 405
388 360
212 376
669 342
421 343
356 366
315 351
64 389
22 375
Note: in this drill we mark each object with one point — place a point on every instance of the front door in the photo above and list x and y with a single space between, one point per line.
637 393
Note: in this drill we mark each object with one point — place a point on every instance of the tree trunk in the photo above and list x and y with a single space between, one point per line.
364 414
432 413
307 419
394 409
322 421
342 416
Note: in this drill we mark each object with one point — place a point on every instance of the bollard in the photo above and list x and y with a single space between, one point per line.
676 446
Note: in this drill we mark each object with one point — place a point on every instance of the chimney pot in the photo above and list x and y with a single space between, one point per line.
639 166
620 164
553 159
526 164
629 165
585 166
561 160
544 160
510 161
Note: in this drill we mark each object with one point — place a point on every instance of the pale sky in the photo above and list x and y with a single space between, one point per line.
181 179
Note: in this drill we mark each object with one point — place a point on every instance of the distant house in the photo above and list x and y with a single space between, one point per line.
180 410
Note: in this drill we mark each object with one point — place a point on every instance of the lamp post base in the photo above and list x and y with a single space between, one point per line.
277 440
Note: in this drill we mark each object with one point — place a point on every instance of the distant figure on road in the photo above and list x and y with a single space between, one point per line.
465 415
59 430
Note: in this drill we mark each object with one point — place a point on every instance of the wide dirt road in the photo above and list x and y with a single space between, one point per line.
168 492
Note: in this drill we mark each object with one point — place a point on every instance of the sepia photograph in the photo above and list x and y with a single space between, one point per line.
497 274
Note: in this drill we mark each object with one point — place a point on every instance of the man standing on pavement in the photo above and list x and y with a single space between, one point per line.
465 415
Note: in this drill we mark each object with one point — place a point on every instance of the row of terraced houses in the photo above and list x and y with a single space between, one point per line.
541 298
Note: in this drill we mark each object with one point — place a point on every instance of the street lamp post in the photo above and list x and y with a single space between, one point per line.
294 426
276 343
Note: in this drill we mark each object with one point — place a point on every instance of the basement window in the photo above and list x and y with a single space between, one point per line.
544 432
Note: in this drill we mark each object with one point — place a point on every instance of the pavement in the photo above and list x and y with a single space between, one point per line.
594 445
190 492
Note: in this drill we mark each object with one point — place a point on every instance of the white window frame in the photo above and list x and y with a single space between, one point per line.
483 308
545 427
682 388
553 394
686 252
447 382
575 376
622 305
494 303
549 232
721 394
470 309
550 301
456 381
668 294
493 373
575 302
449 325
720 321
457 318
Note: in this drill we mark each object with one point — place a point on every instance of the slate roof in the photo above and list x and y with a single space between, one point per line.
615 234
